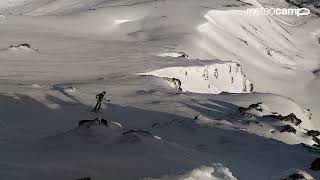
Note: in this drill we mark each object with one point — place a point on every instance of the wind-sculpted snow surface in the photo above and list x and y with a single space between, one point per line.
211 78
230 34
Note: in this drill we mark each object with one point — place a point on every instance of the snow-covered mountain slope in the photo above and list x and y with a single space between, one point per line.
56 55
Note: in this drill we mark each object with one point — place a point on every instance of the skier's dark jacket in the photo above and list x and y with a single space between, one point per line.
100 96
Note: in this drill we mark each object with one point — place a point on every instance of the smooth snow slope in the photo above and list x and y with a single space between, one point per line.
80 48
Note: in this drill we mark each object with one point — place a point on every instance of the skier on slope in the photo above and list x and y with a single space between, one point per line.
99 98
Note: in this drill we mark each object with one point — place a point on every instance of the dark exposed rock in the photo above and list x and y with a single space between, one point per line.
94 122
317 140
104 122
252 106
288 128
295 176
89 123
177 83
255 106
86 178
196 117
251 87
242 109
313 133
183 54
22 45
26 45
290 118
315 165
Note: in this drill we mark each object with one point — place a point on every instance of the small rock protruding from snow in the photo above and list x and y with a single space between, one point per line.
174 54
288 128
89 123
258 109
177 83
308 113
22 46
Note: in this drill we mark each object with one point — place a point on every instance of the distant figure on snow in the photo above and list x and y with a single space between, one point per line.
99 98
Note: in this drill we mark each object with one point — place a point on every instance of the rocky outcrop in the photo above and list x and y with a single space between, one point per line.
94 122
89 123
177 83
313 133
256 107
292 118
288 128
315 165
24 46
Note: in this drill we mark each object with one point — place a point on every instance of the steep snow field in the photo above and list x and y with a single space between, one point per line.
195 90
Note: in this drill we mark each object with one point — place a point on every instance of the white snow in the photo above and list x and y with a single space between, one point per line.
212 78
214 172
172 54
176 73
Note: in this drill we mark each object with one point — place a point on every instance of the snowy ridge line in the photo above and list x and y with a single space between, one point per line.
212 78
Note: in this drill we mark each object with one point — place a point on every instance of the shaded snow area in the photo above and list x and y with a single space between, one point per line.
194 90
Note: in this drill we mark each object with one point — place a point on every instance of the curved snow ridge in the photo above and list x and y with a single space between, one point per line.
255 39
214 172
212 78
